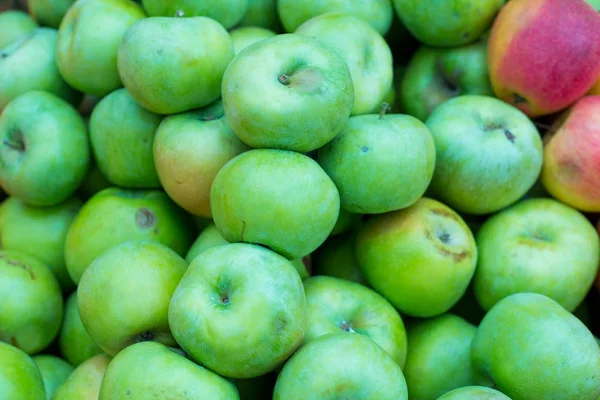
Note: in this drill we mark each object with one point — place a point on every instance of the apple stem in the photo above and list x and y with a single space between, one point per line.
179 13
383 109
284 79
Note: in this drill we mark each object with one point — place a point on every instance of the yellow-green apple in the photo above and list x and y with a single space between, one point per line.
536 77
122 137
20 378
474 393
32 305
262 14
532 348
86 55
341 365
336 258
74 342
14 24
54 372
139 372
84 382
113 216
188 54
297 101
44 151
488 154
189 149
49 12
363 49
262 195
226 12
540 246
368 145
421 258
244 36
240 310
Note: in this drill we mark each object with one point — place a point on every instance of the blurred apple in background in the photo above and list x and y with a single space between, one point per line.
54 372
84 382
75 343
262 14
49 12
14 25
226 12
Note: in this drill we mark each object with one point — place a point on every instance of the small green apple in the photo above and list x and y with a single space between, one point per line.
474 393
244 36
93 182
49 12
346 221
226 12
54 372
336 258
14 24
74 341
240 310
262 14
20 378
84 382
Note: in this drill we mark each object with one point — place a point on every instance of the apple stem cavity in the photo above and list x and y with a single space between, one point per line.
146 336
15 142
383 109
284 79
179 13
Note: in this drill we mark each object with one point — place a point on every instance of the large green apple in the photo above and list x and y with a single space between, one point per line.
261 196
474 393
20 378
49 12
122 137
380 163
54 372
84 382
532 349
335 304
189 55
488 153
226 12
74 341
289 92
117 313
113 216
88 42
435 75
14 24
244 36
341 366
152 370
363 49
240 310
30 64
44 151
189 149
32 303
336 258
262 14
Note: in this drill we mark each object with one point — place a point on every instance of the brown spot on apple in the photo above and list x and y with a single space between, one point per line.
145 218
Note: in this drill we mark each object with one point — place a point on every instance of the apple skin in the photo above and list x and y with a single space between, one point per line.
398 144
363 49
421 258
532 348
540 246
525 73
49 12
244 36
84 382
377 13
74 342
30 64
337 305
189 150
262 195
14 24
488 154
54 372
262 14
189 54
139 372
45 150
438 356
290 92
594 3
435 75
86 59
20 378
40 232
226 12
336 258
474 393
341 365
238 321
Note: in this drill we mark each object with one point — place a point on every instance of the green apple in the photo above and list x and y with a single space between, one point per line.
262 14
341 366
474 393
14 24
262 195
438 356
290 92
364 50
488 153
87 105
537 245
594 3
44 150
189 149
448 23
468 307
397 144
240 310
54 371
435 75
226 12
74 342
93 182
40 232
336 258
113 216
139 372
377 13
335 304
116 313
532 348
88 42
84 382
244 36
346 221
188 54
122 137
49 12
421 258
20 378
32 303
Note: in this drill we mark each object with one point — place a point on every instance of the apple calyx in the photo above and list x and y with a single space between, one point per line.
284 79
179 13
346 326
15 141
146 336
383 109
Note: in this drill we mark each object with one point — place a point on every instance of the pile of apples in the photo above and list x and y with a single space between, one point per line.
299 199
